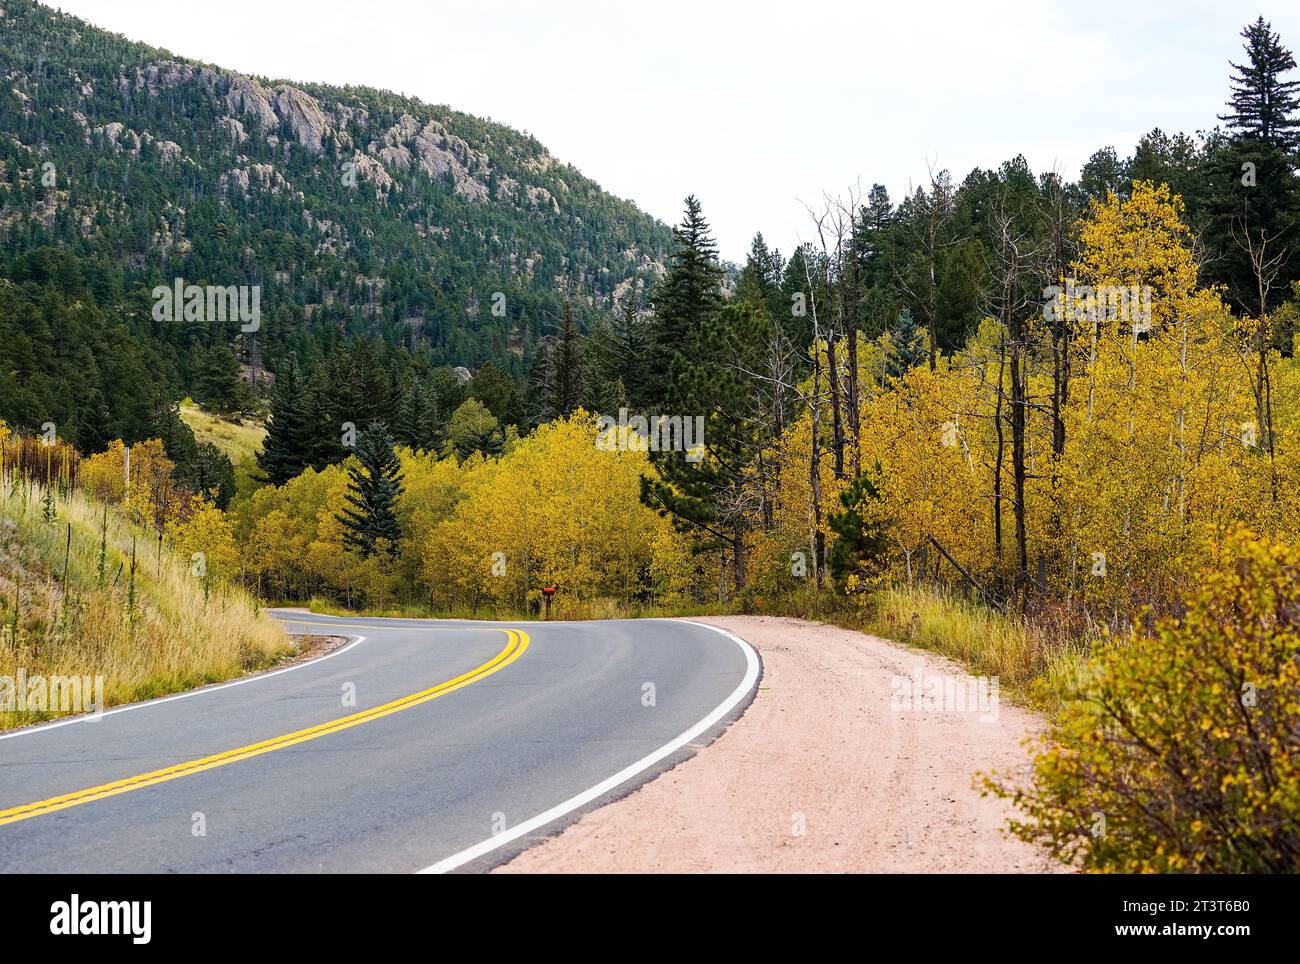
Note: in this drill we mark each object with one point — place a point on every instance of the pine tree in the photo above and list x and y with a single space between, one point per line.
710 492
1252 208
374 487
322 428
605 356
1263 106
564 370
760 279
907 345
860 541
417 425
495 388
287 449
220 384
687 299
634 331
94 425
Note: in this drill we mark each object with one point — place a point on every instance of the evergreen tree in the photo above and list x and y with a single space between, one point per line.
760 279
1263 106
323 429
796 305
604 353
860 542
634 331
688 297
94 425
201 468
563 373
417 425
220 383
289 444
495 388
1253 208
709 492
211 474
907 347
1104 174
374 487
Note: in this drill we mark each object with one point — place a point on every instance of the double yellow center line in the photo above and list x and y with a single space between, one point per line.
517 643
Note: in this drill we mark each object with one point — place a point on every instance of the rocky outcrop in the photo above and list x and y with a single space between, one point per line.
168 151
539 197
120 137
437 153
247 97
303 115
264 177
234 130
370 169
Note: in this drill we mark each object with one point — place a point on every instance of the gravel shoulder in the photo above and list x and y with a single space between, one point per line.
848 760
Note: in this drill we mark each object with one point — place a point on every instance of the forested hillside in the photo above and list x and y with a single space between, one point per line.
358 213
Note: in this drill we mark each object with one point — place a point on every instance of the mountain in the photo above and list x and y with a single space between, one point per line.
356 211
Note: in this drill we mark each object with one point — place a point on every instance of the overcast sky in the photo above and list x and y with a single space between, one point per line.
754 107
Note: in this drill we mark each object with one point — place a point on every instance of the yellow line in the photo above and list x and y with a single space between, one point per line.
518 642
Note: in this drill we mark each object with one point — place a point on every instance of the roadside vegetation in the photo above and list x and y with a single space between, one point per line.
87 590
238 437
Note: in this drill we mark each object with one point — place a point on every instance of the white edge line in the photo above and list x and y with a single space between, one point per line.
622 776
96 717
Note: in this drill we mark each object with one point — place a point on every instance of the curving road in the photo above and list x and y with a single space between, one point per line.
462 743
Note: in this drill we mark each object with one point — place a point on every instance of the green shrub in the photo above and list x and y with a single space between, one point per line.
1179 750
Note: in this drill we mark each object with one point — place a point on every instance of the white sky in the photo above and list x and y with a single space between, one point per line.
755 107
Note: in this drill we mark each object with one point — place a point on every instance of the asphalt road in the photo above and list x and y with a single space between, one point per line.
463 743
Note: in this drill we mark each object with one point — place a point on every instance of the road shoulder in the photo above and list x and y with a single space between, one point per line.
832 768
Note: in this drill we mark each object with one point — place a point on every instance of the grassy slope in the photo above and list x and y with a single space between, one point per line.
175 639
240 440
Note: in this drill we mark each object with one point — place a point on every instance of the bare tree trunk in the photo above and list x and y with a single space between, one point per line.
837 422
852 301
1001 451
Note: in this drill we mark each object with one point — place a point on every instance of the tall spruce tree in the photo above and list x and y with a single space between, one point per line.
220 384
562 388
94 425
1252 220
712 492
688 297
290 440
417 426
374 486
635 331
495 388
604 354
1263 106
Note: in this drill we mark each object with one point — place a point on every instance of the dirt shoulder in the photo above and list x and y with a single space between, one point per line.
833 768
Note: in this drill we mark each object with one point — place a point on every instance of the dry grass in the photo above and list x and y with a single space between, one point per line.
1028 661
167 635
240 439
1033 662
